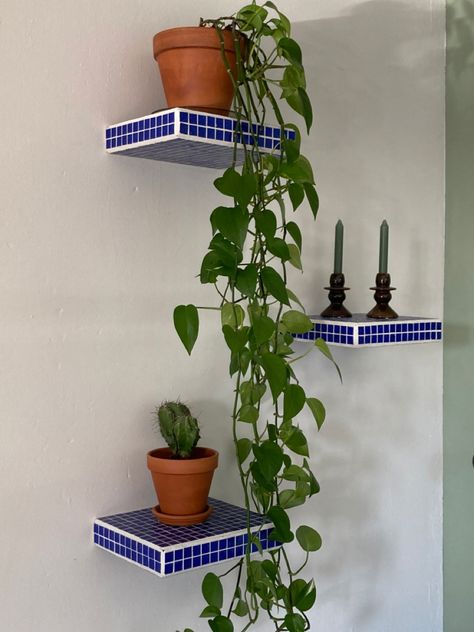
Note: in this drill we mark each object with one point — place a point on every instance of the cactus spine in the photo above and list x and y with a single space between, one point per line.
178 427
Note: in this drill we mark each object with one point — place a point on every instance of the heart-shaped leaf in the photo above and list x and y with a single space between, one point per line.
186 323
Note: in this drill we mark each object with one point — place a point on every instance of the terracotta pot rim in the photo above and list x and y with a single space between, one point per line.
190 37
159 460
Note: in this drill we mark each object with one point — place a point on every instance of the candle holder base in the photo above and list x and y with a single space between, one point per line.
383 296
337 296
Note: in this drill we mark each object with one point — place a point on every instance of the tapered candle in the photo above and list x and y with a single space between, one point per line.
383 252
338 244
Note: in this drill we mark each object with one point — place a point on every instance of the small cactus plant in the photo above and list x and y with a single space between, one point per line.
178 427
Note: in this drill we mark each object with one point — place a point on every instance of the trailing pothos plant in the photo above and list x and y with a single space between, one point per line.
255 241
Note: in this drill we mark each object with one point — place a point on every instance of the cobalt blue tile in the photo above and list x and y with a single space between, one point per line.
183 116
202 132
214 545
193 130
228 137
219 135
196 550
134 556
196 561
183 128
178 566
188 552
153 133
141 136
214 558
350 340
147 124
108 133
171 117
168 569
178 554
222 544
187 563
211 121
165 119
141 125
222 555
147 134
201 119
193 119
140 558
211 134
228 124
169 557
205 558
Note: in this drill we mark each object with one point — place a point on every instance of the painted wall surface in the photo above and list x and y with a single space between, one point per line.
95 251
459 316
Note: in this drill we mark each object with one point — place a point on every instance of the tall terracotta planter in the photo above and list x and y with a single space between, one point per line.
182 485
192 69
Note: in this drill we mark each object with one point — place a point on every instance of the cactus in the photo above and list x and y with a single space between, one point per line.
178 427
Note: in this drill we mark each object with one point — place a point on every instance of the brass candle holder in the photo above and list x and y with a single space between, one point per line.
382 295
337 296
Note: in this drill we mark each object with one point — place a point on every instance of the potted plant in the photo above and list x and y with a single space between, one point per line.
192 70
182 473
255 243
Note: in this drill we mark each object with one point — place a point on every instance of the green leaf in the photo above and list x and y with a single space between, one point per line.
317 408
295 258
270 569
276 373
263 327
299 171
248 413
296 193
229 254
293 401
294 622
312 197
292 295
294 230
281 522
241 608
210 611
303 594
279 248
322 346
244 446
212 590
221 624
296 441
236 339
212 267
308 538
228 183
295 473
299 101
289 498
232 223
232 315
293 78
296 322
186 323
274 284
269 457
266 223
290 50
246 280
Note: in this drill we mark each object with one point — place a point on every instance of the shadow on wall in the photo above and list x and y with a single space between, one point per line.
460 34
362 66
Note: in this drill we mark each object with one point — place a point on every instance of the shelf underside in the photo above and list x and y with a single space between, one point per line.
191 138
360 331
138 537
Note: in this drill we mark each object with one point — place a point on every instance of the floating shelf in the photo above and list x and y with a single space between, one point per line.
190 138
165 550
360 331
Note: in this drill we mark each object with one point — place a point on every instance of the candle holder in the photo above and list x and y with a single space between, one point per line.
382 309
337 296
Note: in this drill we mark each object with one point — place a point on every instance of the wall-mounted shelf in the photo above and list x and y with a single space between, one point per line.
360 331
188 137
139 538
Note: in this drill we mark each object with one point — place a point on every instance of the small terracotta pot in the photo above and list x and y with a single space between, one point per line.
192 70
182 485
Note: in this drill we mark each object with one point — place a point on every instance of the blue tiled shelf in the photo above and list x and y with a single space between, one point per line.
165 550
360 331
189 137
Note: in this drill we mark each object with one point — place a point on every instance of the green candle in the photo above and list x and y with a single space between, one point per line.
338 247
383 252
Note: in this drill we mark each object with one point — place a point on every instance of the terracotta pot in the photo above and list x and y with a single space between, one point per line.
192 70
182 485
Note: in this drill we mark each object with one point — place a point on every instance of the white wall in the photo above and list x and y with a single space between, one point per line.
94 253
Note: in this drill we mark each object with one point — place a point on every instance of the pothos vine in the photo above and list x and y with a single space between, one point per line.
252 246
